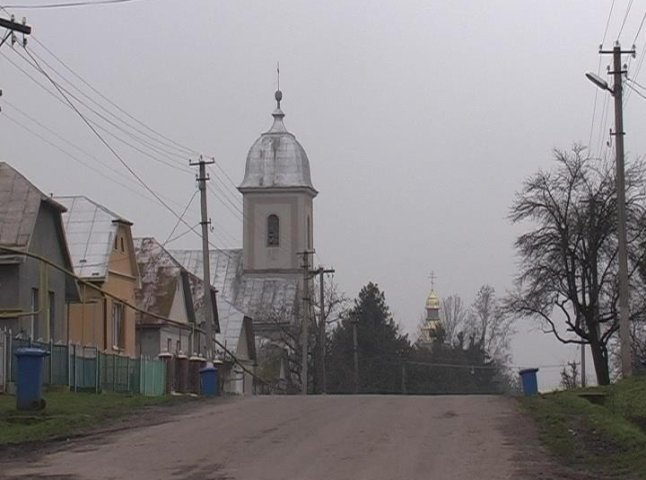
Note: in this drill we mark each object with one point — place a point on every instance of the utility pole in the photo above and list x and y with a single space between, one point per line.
322 375
355 351
307 302
12 27
624 314
205 222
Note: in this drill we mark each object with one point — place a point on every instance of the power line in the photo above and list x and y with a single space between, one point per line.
623 24
636 91
605 32
146 143
68 4
64 102
641 25
165 145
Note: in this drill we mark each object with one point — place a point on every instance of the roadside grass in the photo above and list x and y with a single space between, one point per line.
609 438
68 414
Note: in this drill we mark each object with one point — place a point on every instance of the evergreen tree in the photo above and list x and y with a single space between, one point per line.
381 347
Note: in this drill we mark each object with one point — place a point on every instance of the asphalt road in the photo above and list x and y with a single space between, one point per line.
310 438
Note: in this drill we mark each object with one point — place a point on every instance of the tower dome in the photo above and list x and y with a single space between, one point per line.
432 301
276 159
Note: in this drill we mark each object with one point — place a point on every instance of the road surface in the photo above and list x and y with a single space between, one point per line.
309 438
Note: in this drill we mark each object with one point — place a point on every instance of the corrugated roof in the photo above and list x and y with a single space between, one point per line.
258 297
231 322
90 229
19 205
159 273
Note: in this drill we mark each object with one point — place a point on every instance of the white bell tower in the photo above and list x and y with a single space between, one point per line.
278 199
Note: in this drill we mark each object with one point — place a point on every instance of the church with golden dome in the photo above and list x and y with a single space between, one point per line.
432 324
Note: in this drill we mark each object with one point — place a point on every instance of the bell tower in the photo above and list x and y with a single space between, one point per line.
278 196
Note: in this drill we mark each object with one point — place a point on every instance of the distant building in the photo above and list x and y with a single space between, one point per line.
432 330
174 298
33 295
103 253
264 279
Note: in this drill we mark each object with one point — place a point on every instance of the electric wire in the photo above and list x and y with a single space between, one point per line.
147 144
67 4
605 32
115 153
98 126
161 148
623 24
641 25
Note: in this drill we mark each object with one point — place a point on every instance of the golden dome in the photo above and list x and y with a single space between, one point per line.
433 301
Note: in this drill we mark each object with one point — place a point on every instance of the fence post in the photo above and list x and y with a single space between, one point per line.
114 372
128 374
96 369
51 360
74 369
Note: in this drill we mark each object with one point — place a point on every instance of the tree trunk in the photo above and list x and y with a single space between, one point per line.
600 360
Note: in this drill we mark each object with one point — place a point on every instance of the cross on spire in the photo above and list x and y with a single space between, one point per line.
432 277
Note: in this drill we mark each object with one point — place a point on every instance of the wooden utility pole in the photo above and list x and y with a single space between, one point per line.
307 302
321 373
202 178
624 314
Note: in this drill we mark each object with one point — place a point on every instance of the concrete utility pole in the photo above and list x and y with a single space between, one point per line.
12 26
624 314
624 300
307 301
322 337
355 351
205 222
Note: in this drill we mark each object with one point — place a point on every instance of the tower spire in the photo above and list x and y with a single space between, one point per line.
279 94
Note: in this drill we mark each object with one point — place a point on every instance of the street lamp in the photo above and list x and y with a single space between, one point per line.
599 82
617 93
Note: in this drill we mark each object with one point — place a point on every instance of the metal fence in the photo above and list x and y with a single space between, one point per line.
83 368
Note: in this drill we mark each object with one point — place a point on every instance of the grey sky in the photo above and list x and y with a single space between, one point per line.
421 119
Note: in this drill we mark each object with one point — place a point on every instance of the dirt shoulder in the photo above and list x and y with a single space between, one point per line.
72 416
587 440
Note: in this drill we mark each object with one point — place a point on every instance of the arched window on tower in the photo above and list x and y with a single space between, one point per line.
273 231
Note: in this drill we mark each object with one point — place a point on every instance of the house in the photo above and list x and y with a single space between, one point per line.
175 299
237 337
33 295
103 254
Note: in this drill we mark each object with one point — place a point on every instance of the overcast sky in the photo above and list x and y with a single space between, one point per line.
420 119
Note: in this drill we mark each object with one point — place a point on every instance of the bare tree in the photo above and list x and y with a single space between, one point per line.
568 267
454 316
490 325
336 305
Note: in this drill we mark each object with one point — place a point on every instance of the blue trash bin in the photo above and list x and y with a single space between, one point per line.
529 381
209 381
29 384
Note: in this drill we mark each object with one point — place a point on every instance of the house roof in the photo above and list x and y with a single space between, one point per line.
232 323
20 203
91 229
256 296
160 273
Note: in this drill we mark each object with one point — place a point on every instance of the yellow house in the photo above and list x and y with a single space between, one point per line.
103 253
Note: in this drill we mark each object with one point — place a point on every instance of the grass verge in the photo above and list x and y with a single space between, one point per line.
69 414
609 439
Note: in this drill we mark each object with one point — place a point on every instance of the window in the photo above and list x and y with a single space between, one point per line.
273 231
309 233
116 240
169 344
122 249
118 318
